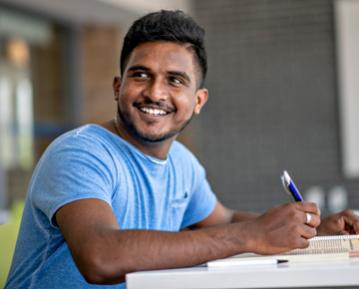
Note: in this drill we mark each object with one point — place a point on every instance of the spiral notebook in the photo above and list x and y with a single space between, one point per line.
323 248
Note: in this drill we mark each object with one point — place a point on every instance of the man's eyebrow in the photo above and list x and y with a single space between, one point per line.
170 72
179 73
138 67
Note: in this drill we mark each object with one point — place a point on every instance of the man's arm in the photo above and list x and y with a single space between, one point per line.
104 253
222 215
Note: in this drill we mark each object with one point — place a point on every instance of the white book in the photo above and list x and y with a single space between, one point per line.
323 248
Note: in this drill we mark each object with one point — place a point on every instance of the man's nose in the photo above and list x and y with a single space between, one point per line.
156 91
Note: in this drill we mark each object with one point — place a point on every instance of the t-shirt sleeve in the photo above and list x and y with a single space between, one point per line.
73 169
202 199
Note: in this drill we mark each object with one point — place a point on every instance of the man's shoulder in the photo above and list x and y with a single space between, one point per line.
88 140
87 136
86 131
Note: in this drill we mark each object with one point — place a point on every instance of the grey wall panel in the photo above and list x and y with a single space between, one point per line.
273 100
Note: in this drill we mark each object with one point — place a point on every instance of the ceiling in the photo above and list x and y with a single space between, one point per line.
96 11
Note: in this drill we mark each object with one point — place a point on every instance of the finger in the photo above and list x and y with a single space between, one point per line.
308 207
297 238
348 220
351 223
349 213
355 228
308 232
311 220
302 243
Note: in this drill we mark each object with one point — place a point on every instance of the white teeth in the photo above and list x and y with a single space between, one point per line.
153 111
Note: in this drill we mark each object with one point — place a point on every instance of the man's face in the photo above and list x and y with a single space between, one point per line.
158 94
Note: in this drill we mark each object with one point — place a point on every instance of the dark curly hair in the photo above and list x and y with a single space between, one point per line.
164 25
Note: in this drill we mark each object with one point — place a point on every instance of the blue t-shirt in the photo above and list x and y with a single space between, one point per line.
91 162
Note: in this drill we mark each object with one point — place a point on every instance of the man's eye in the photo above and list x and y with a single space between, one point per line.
140 74
175 81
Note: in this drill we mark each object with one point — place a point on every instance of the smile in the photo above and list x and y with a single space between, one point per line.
153 111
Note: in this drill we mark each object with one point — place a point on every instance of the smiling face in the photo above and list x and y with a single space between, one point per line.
158 95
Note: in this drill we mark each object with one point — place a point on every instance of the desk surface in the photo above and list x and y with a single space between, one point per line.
317 274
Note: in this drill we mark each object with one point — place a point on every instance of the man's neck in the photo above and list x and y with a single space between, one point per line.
158 150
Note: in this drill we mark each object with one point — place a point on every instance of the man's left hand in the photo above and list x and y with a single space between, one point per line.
342 223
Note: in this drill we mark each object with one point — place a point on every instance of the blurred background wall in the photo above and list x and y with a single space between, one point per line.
275 97
274 102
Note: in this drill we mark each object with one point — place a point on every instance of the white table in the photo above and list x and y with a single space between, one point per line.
338 274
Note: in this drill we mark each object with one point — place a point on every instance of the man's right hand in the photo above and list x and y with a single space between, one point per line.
282 228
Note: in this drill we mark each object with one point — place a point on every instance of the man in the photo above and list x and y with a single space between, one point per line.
112 199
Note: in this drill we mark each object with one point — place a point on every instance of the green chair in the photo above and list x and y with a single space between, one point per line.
8 235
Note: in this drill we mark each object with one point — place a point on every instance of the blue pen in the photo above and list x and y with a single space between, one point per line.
290 187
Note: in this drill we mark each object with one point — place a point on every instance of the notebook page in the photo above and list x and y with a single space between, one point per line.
323 248
329 244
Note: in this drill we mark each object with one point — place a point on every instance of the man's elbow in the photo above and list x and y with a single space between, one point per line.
97 269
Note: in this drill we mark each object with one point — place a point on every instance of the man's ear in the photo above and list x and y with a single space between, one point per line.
116 84
201 99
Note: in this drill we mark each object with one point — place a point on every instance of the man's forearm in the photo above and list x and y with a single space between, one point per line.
243 216
124 251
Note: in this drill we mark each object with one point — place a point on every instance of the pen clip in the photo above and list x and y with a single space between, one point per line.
285 184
